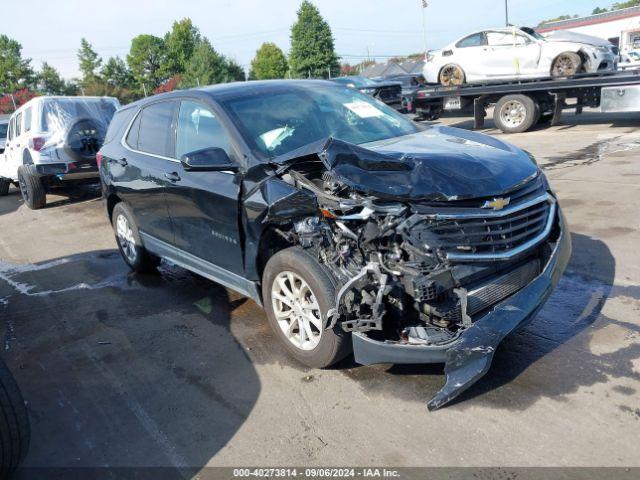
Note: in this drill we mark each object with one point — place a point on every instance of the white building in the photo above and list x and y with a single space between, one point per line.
620 27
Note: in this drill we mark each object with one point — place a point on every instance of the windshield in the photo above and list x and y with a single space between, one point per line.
3 130
357 81
280 120
58 114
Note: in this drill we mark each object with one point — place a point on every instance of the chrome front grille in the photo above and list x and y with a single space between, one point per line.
487 235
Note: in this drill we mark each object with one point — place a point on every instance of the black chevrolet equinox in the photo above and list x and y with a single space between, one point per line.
357 229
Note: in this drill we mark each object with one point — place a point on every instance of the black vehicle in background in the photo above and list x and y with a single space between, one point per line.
356 228
389 92
410 85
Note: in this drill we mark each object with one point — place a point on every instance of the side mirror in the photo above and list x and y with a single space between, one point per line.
208 160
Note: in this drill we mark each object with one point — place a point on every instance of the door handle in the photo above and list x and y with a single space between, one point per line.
172 176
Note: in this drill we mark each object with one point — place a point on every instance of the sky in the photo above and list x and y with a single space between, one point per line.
50 30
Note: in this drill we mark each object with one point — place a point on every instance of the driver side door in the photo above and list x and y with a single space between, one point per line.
204 205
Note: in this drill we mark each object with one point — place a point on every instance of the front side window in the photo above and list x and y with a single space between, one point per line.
500 39
282 119
475 40
198 128
156 131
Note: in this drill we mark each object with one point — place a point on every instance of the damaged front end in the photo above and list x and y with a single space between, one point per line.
424 276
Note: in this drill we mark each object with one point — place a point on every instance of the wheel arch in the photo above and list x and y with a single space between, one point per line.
271 242
112 201
453 64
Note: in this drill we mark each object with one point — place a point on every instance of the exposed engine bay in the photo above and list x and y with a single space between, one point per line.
414 273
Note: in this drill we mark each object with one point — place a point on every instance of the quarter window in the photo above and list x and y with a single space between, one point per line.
198 128
156 130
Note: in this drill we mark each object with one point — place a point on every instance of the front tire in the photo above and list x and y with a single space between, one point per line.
4 186
129 244
297 293
566 64
32 188
451 75
516 113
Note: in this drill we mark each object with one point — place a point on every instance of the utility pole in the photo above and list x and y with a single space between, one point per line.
506 12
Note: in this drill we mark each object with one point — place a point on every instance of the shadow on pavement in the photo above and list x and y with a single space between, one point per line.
123 370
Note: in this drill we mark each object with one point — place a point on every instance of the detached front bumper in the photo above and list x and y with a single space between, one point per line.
469 356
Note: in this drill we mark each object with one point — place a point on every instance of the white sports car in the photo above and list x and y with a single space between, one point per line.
513 53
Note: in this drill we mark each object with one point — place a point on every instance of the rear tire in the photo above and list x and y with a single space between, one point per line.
32 188
566 64
516 113
312 285
129 243
4 186
15 431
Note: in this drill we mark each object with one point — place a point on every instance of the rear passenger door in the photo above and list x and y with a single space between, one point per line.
140 175
204 205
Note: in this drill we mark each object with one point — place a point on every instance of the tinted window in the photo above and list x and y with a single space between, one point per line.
475 40
198 128
132 136
156 129
118 123
3 129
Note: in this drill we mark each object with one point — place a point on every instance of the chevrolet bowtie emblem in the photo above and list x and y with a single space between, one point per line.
497 203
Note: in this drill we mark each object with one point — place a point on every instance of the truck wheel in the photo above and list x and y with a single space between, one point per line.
128 238
516 113
15 430
32 189
4 186
297 294
451 75
566 64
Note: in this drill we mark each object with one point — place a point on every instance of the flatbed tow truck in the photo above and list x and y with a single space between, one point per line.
519 105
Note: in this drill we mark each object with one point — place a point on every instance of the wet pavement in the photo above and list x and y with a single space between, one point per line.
173 370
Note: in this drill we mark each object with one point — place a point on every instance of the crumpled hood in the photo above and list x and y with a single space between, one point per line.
438 164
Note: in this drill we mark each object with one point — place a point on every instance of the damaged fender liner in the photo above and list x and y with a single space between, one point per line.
468 358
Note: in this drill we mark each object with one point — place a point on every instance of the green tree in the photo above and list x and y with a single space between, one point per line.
146 59
116 73
15 71
180 43
628 4
312 46
49 81
89 60
235 73
269 63
205 67
598 10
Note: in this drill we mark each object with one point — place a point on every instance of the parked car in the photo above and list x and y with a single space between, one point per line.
4 126
513 53
629 60
53 141
389 92
354 227
410 85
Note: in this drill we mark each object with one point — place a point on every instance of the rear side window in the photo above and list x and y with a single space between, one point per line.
18 124
475 40
27 119
134 131
156 132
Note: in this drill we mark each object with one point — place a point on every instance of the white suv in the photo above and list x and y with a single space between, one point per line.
52 141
